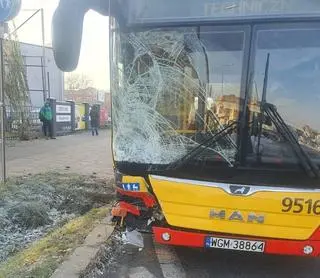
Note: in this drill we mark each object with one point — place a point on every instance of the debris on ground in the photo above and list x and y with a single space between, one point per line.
120 243
106 260
133 238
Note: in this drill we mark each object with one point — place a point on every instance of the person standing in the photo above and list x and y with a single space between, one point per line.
95 119
46 118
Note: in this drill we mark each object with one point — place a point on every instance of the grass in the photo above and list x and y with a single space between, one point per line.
42 257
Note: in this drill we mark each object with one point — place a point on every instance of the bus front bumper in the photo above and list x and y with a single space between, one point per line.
310 247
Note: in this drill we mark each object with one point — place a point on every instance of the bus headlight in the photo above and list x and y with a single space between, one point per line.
307 250
166 236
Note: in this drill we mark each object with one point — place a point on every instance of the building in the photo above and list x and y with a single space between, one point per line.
92 96
89 95
54 78
227 108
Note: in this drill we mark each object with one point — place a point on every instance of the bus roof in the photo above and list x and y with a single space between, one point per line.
68 18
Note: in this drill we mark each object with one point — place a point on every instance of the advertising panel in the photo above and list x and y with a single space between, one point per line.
80 111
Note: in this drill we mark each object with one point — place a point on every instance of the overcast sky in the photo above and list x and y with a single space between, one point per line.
94 60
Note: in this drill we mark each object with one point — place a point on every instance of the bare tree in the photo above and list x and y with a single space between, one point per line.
76 81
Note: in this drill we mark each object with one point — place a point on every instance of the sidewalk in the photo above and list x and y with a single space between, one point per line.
79 153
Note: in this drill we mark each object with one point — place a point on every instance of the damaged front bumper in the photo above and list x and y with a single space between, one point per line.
135 210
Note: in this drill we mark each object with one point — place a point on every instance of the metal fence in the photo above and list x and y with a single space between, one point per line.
22 123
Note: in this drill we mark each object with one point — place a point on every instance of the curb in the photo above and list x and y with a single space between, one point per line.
81 258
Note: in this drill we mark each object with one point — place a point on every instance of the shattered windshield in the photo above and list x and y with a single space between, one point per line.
292 87
172 90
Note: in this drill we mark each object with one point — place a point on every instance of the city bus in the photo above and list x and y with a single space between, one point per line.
215 118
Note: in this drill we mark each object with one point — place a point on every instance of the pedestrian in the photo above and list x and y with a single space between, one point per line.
46 118
95 119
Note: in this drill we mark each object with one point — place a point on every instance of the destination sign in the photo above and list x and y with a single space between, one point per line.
179 10
255 7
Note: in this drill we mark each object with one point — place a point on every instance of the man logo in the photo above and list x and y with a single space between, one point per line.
239 190
239 216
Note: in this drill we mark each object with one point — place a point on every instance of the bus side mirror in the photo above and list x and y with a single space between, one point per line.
67 27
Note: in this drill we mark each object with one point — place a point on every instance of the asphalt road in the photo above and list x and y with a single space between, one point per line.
164 262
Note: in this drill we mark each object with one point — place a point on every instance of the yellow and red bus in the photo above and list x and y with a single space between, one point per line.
215 118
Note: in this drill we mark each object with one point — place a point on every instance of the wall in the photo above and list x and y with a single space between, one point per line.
32 59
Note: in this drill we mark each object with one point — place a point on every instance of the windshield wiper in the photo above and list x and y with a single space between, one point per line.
306 162
201 147
213 117
270 110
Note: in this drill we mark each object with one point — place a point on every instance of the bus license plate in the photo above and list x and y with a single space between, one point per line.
235 244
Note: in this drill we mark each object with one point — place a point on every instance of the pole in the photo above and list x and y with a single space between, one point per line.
23 23
2 111
44 57
49 92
